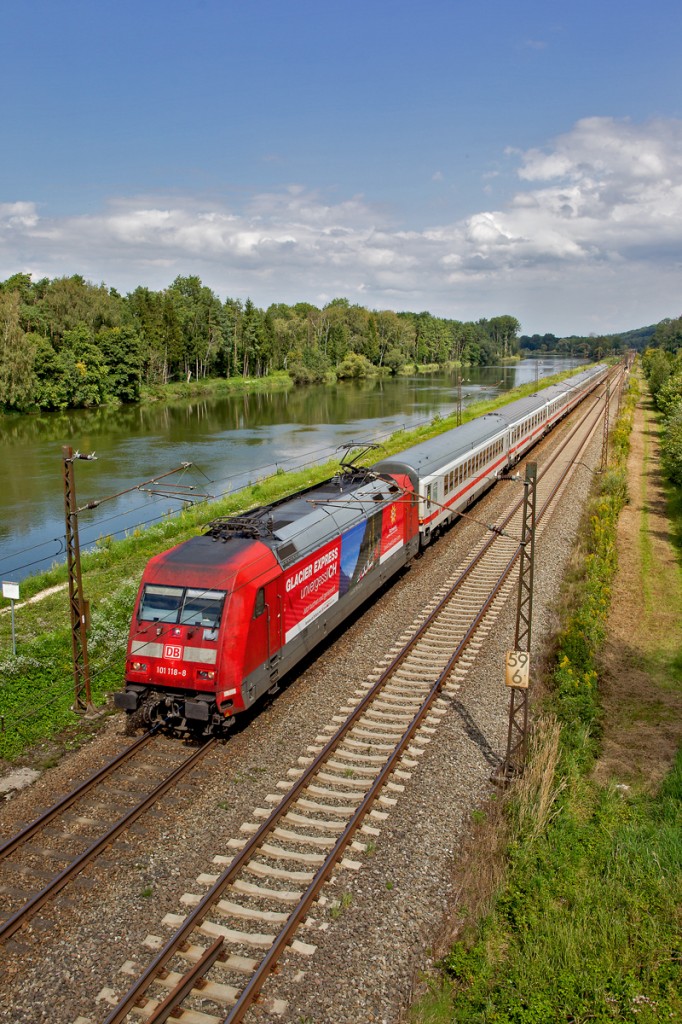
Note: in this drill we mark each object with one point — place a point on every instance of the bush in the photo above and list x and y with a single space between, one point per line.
355 366
671 447
394 360
669 397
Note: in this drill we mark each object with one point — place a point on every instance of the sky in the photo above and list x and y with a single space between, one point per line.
469 159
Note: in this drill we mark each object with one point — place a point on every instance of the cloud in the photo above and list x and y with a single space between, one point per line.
17 215
591 239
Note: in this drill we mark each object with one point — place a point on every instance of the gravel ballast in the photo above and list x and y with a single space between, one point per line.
370 951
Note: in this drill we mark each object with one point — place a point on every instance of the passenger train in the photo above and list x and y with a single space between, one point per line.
221 618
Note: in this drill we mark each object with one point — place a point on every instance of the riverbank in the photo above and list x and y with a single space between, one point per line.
570 887
175 390
278 380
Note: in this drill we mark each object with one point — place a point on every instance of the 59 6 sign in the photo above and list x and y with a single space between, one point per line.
517 669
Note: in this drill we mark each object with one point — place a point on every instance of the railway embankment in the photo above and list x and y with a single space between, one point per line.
568 896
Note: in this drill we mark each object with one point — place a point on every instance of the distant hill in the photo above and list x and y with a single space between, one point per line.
590 346
639 338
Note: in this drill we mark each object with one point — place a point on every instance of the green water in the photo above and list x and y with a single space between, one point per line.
229 440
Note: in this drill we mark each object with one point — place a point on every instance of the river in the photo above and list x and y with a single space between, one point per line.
229 440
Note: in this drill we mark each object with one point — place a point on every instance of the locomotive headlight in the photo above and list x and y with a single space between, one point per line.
139 666
205 675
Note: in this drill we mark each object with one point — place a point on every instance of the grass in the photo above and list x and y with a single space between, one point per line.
36 687
586 927
585 923
646 550
662 659
338 906
215 386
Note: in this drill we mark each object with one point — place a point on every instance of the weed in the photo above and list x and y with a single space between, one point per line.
147 892
389 885
338 906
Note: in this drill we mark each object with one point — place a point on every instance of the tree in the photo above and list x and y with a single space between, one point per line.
668 335
68 302
503 331
200 315
144 314
83 369
17 356
120 347
253 341
51 391
232 319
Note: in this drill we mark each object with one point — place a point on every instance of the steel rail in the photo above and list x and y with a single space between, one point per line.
21 916
251 990
14 841
257 980
197 915
186 984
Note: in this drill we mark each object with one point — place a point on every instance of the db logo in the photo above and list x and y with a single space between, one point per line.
170 651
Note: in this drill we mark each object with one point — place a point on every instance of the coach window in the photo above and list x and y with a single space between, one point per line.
260 603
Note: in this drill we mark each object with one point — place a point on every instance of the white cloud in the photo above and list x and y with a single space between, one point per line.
592 240
17 215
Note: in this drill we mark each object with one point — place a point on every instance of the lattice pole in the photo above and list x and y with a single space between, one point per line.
605 432
459 400
517 732
77 604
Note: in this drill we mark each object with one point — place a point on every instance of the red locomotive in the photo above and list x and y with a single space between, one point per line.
221 618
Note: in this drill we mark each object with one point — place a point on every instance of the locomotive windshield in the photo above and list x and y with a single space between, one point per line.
202 608
187 606
161 604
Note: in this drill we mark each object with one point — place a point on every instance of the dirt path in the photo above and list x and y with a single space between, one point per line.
641 686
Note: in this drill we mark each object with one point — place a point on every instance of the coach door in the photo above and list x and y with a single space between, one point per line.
429 501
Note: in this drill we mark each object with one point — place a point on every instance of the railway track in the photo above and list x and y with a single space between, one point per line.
44 857
224 948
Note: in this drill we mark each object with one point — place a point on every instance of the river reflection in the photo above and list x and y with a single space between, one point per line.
229 440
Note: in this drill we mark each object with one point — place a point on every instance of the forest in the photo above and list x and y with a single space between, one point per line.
68 343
